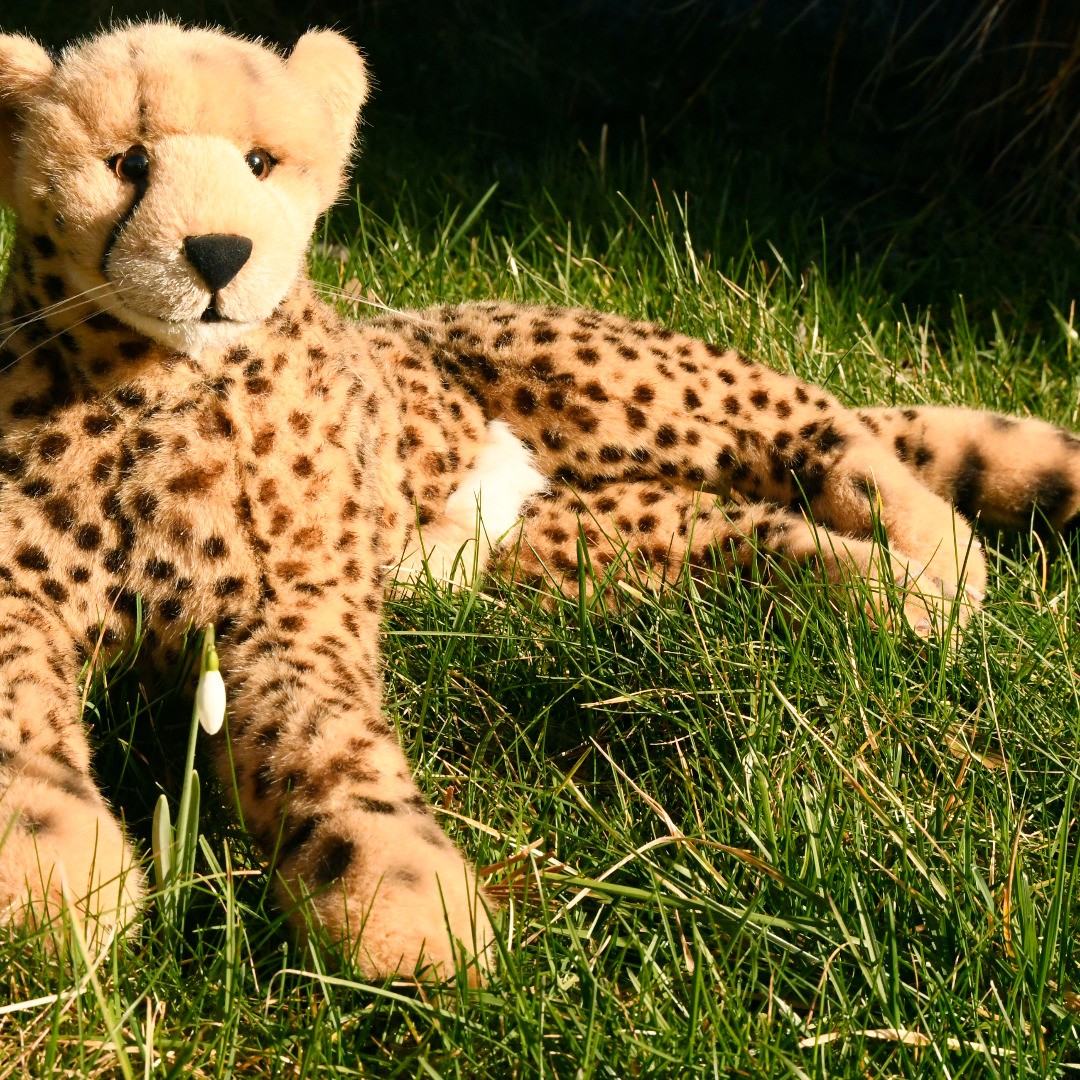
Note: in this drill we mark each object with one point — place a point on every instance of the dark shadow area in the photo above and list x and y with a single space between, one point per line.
938 142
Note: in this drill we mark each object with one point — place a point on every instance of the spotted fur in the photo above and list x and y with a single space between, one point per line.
188 433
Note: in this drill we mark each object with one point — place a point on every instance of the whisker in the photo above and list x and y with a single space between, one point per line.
61 306
353 298
78 298
8 367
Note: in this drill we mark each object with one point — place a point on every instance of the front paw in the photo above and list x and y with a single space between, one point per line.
399 890
63 850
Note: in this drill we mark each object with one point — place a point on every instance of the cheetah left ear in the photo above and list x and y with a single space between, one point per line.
25 70
333 67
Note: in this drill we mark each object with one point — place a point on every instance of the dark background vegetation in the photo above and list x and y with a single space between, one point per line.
938 141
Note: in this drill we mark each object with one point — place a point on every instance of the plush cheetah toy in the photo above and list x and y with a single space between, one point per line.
182 420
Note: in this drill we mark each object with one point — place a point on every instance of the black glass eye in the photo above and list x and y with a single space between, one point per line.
132 165
260 162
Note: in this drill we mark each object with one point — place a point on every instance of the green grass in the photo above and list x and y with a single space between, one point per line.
736 835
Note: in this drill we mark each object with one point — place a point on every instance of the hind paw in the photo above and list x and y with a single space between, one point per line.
934 605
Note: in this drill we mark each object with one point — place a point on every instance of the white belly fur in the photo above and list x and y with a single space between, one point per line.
483 512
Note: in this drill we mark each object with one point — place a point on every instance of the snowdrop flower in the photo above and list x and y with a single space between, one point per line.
210 696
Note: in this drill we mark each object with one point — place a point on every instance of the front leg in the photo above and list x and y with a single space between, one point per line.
57 833
327 791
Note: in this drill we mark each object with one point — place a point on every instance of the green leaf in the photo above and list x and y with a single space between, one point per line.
162 842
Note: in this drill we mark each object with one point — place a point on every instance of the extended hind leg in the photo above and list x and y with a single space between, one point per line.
602 400
648 532
1004 470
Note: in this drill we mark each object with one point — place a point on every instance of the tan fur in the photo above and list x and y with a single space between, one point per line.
202 432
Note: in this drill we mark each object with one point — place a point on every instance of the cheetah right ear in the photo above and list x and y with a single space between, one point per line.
25 70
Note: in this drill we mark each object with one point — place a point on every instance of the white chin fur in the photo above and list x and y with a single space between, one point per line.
483 511
190 337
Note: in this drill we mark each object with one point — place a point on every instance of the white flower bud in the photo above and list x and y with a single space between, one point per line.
210 701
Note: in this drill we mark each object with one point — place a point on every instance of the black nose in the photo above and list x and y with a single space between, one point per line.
217 256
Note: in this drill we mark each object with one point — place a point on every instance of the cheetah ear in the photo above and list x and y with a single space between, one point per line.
333 67
25 69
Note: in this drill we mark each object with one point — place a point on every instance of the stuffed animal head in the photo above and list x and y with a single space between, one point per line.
174 176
